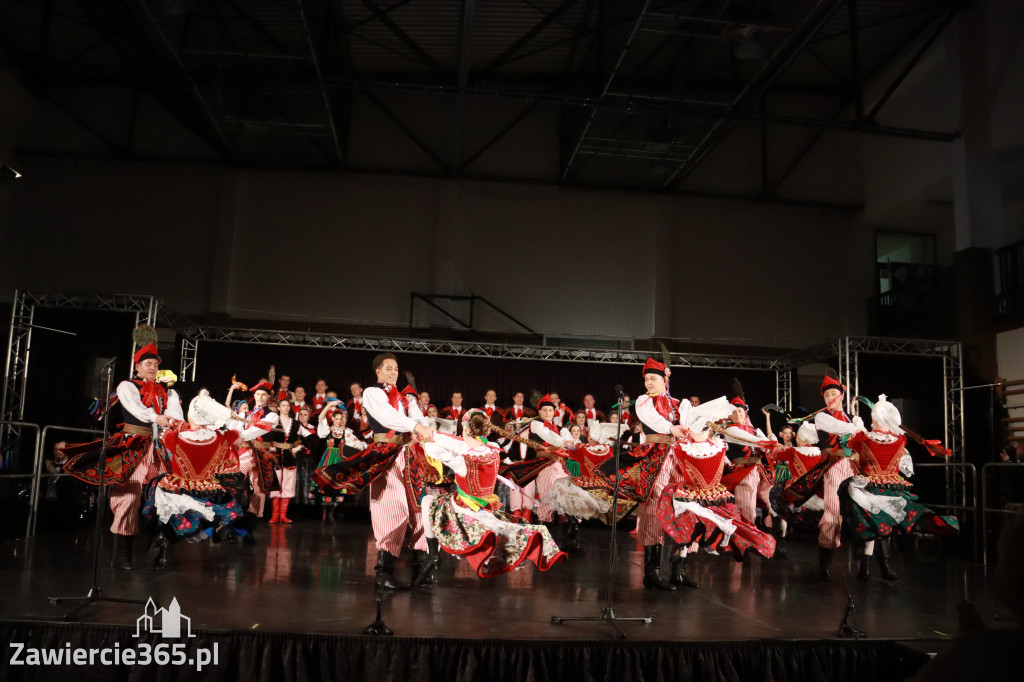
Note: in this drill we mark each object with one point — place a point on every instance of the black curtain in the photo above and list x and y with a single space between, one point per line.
272 657
440 375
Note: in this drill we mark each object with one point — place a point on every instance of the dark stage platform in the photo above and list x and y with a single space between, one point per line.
299 599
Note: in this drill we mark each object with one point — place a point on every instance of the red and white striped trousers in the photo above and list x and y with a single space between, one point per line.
746 495
247 465
545 479
763 487
648 530
831 524
517 501
126 498
391 510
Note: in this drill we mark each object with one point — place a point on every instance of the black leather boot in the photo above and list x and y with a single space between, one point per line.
883 561
652 570
679 577
572 537
776 532
424 565
123 545
824 561
864 574
160 559
385 572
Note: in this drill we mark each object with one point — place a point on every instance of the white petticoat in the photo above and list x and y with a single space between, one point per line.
707 513
893 506
169 504
567 498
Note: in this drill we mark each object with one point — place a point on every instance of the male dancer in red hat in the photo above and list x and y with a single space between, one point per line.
660 416
833 423
130 459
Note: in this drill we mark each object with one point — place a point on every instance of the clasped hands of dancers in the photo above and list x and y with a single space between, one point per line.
205 477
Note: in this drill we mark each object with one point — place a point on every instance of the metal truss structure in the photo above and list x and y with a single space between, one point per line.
19 343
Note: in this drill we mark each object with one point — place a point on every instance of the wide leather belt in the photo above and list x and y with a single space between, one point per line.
258 445
658 438
136 430
400 439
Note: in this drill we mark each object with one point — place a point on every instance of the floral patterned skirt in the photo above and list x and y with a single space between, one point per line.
868 524
492 542
637 474
713 521
319 492
187 515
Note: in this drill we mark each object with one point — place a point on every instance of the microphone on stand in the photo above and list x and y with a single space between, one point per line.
618 390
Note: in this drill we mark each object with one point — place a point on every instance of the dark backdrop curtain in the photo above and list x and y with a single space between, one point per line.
272 657
440 375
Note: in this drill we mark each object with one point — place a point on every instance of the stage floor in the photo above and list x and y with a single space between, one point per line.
310 578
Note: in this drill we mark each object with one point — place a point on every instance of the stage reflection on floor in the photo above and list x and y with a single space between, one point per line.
307 577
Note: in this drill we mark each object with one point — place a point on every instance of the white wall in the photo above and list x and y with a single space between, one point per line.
351 248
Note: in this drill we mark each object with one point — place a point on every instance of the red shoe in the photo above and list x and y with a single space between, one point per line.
276 516
284 509
527 515
517 514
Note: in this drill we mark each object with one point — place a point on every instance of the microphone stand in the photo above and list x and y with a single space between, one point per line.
95 593
378 627
847 630
607 611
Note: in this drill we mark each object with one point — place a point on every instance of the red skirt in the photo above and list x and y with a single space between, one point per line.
688 527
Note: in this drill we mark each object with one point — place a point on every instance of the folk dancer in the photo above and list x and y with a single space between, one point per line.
340 442
204 493
468 522
382 466
253 458
878 504
698 509
130 458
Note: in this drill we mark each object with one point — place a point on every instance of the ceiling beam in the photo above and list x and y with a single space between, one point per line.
512 49
420 53
758 85
567 169
320 81
163 45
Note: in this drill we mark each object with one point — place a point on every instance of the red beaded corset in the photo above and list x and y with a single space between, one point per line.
481 471
800 460
195 457
701 464
880 455
589 457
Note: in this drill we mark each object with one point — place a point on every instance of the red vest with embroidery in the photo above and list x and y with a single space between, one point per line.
701 464
880 461
481 472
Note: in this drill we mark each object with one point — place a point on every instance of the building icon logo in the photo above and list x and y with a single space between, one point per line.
170 620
